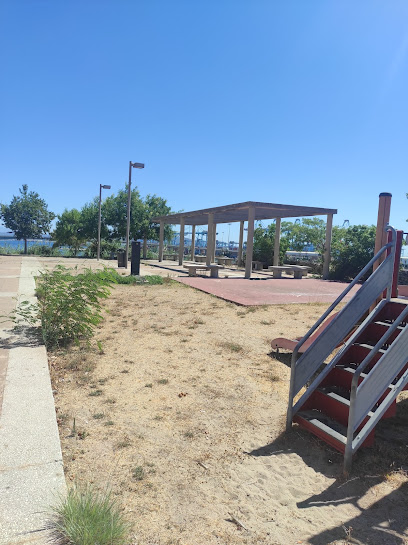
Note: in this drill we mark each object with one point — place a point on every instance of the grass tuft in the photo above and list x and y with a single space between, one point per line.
88 517
233 347
138 473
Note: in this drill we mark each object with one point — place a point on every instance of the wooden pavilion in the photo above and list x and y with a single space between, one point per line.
241 212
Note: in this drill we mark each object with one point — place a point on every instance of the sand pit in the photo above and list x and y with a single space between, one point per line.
182 416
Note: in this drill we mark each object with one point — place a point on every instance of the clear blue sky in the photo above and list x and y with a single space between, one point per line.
291 101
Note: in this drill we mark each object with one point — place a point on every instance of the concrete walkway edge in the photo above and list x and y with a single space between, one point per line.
31 468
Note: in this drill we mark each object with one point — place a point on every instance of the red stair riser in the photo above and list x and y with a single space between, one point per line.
390 312
327 405
339 377
374 332
319 433
356 354
328 438
331 407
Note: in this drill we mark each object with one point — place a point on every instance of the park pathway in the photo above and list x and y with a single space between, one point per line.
31 469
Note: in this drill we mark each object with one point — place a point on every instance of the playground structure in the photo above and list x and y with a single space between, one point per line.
341 401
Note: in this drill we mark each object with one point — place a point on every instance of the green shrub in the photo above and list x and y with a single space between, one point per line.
43 250
264 241
68 305
117 278
87 517
108 249
352 249
151 254
8 249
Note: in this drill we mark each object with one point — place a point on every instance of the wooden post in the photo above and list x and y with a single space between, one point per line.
193 243
240 244
161 239
384 207
209 239
327 246
250 242
181 245
214 243
397 262
276 247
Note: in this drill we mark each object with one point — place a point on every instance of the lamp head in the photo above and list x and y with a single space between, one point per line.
137 165
105 186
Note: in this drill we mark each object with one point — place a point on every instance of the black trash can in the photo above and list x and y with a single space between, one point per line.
121 258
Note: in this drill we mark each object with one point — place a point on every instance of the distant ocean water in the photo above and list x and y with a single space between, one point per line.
19 244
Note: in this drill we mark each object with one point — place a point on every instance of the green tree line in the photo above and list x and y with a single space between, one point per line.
351 248
28 216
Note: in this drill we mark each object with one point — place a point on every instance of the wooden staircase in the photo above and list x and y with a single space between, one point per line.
341 398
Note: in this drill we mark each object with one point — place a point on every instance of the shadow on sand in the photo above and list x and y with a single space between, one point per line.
22 337
384 522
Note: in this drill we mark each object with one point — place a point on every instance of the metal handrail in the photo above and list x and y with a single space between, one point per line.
390 245
377 347
352 424
342 295
334 361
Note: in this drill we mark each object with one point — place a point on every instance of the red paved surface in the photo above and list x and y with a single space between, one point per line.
270 291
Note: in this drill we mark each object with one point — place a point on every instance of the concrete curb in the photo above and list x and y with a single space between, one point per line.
31 468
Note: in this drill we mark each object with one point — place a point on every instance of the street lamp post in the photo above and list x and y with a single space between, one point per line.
99 219
131 165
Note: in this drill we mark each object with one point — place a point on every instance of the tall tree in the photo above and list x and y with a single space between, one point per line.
153 206
69 231
305 232
264 242
114 212
89 221
352 249
27 215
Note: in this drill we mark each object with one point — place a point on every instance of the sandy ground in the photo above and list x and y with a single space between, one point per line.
182 416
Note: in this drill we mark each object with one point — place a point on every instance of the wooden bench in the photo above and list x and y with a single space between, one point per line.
170 257
192 269
298 270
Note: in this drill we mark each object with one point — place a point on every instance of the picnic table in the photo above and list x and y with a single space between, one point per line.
200 258
298 271
223 260
193 268
257 265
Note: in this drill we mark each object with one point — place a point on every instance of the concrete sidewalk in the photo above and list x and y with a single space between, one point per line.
31 469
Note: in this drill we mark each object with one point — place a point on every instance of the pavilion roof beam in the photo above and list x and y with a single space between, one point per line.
239 212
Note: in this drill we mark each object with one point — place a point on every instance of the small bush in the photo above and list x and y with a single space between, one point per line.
108 249
43 250
68 305
234 347
87 517
8 249
138 473
130 279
